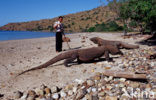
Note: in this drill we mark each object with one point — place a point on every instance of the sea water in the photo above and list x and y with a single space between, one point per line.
16 35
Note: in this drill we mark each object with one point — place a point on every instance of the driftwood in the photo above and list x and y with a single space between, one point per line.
125 74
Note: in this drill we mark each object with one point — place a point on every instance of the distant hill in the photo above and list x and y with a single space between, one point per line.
77 22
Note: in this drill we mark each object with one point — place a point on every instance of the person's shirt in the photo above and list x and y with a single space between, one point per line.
59 26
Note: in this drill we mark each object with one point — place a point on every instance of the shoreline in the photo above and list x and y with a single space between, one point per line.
117 33
4 38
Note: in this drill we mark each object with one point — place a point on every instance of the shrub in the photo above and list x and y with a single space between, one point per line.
110 26
91 29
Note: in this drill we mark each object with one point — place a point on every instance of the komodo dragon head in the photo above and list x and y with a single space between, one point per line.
96 40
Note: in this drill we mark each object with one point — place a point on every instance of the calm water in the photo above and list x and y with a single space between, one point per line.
15 35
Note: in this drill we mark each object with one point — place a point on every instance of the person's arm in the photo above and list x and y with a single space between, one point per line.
56 24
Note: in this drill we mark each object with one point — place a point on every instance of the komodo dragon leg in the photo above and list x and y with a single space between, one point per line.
69 60
106 54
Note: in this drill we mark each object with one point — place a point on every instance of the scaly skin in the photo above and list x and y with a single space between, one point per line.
118 44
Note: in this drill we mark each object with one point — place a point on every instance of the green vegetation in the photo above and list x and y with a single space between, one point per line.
111 26
143 12
140 14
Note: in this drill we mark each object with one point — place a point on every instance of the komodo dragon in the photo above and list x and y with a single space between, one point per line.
118 44
82 55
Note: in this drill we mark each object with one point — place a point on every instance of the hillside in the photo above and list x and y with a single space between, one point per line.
78 22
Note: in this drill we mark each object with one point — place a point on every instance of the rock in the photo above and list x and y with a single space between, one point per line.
110 78
101 94
99 89
25 95
121 85
43 87
43 98
30 98
39 92
88 97
94 89
122 79
70 92
63 94
97 78
74 89
90 83
148 86
98 74
46 99
124 97
47 90
55 96
31 93
54 89
81 93
134 84
79 81
101 98
89 90
17 94
95 97
111 98
108 87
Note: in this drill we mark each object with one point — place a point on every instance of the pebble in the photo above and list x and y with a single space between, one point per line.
17 94
74 89
122 79
90 83
38 91
94 89
70 92
30 98
95 97
81 94
89 90
101 94
63 94
55 95
54 89
134 84
47 90
111 98
31 93
79 81
24 96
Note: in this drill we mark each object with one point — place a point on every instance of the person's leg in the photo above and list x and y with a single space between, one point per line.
58 42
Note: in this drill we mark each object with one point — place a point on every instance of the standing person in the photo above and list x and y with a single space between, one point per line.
59 31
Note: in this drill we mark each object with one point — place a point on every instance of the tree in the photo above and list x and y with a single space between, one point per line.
124 16
144 13
120 8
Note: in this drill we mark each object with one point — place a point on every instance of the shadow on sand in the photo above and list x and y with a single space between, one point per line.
150 41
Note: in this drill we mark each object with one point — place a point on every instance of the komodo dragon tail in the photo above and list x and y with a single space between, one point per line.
59 57
129 46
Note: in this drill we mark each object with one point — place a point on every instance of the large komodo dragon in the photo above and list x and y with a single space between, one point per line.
82 55
118 44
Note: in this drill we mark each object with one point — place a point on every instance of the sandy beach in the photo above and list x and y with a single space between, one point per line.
19 55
